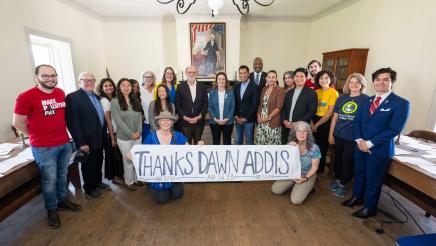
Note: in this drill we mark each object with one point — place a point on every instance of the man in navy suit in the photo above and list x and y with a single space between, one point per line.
378 121
85 121
246 101
258 76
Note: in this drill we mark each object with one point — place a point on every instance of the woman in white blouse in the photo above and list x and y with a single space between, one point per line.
113 158
148 80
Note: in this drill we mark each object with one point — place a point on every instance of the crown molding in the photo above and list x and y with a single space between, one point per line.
82 9
339 6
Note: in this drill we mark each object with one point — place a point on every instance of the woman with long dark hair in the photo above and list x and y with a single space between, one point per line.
126 111
113 163
162 103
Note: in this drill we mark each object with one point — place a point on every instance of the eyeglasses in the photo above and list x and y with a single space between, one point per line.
301 131
88 80
148 77
46 76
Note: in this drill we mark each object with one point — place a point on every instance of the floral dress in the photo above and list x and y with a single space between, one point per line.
264 134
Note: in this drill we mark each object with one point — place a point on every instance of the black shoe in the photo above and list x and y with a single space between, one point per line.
69 205
95 194
352 202
102 186
53 218
365 213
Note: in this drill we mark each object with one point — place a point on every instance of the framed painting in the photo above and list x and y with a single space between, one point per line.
208 48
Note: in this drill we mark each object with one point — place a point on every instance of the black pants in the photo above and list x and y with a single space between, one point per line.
91 170
193 133
163 196
344 159
224 130
322 139
113 160
285 134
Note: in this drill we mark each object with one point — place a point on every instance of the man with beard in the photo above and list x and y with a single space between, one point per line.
39 113
191 106
313 67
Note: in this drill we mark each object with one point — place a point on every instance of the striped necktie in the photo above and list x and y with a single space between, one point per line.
374 105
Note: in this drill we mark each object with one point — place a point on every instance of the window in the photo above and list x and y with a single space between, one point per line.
57 53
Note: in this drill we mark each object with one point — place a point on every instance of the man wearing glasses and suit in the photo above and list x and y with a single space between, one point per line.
85 120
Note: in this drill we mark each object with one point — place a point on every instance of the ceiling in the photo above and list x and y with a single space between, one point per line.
129 9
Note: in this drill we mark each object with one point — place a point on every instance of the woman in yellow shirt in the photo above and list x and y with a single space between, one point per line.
321 121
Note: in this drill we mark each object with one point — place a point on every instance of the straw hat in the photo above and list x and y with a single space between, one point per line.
165 115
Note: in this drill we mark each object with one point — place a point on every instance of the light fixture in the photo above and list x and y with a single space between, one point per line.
243 6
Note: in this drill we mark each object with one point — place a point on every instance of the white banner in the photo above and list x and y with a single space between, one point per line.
215 163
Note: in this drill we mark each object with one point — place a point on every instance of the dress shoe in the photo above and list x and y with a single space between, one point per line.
131 187
352 202
102 186
53 218
96 194
67 204
365 213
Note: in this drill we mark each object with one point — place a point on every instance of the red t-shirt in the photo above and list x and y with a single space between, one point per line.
311 85
45 116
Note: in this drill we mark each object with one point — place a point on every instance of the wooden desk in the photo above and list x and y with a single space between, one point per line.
414 183
23 182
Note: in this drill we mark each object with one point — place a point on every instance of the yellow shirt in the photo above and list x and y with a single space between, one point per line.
325 99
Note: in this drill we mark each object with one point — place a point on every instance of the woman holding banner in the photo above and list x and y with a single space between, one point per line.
164 135
310 155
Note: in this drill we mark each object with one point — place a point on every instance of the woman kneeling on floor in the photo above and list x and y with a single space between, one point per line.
164 135
310 155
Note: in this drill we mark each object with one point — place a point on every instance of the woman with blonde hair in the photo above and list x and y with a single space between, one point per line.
341 131
147 89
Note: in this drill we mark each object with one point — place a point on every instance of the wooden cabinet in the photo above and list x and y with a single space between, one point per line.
345 62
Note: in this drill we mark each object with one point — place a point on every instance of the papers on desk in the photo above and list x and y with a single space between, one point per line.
416 144
426 165
5 148
399 151
21 157
432 155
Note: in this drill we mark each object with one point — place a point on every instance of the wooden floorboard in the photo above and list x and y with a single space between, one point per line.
240 213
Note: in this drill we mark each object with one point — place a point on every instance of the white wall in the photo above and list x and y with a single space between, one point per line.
399 34
52 17
132 47
282 45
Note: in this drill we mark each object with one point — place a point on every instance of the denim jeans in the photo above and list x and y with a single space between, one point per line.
53 167
248 129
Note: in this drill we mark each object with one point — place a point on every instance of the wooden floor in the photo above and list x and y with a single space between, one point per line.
209 214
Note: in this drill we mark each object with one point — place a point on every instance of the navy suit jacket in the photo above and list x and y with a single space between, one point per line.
83 121
247 106
380 128
229 106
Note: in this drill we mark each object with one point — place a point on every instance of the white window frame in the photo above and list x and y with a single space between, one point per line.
61 62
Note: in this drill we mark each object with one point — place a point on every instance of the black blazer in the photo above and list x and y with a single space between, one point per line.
262 81
83 121
305 107
247 107
186 107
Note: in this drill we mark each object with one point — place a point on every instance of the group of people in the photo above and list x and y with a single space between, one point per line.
107 120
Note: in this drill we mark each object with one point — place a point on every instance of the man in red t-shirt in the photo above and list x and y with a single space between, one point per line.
313 67
39 113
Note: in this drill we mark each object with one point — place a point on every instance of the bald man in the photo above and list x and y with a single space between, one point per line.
85 120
